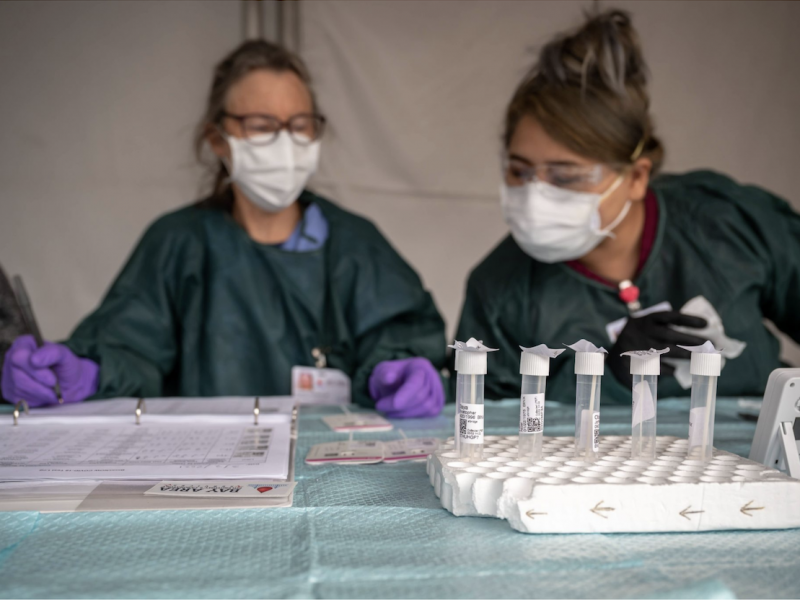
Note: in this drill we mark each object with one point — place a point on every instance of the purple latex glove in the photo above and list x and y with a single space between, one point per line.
29 373
407 388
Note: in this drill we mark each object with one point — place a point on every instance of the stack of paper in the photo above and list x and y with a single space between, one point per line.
183 439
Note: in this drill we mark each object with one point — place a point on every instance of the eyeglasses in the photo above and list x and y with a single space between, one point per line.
262 130
579 178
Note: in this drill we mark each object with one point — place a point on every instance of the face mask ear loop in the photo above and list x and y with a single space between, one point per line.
608 231
223 159
292 149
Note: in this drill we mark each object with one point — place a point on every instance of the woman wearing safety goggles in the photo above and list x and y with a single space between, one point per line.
604 248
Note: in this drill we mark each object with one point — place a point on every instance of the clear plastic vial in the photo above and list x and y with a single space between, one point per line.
701 417
469 416
643 417
471 367
587 416
531 417
705 369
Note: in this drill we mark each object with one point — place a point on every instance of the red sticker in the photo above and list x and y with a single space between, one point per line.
264 489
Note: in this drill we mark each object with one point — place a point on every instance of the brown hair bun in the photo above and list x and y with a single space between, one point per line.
588 90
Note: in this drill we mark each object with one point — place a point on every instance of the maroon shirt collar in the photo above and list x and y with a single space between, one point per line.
648 239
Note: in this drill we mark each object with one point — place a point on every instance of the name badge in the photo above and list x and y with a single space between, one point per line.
320 386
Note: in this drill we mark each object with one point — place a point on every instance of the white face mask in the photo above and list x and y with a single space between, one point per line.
552 224
272 176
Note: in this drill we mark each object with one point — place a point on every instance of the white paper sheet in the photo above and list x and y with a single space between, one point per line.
644 405
178 439
237 409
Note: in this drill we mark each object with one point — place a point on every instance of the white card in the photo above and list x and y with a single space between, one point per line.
470 423
644 405
228 489
408 449
320 386
346 453
697 421
531 413
362 422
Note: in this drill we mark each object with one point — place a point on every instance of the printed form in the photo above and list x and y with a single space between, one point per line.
183 439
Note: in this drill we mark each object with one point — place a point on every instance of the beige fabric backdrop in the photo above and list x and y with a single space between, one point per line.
415 91
98 102
99 99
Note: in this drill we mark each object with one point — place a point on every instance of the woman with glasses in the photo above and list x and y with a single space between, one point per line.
225 296
602 249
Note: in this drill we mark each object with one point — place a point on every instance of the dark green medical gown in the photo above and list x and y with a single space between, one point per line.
200 309
739 246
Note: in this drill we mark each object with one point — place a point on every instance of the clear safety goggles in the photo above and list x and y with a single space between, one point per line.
578 178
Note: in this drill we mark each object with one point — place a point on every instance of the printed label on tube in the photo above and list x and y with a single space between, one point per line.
531 413
470 426
590 430
595 431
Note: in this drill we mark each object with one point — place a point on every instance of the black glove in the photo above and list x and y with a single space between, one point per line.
653 331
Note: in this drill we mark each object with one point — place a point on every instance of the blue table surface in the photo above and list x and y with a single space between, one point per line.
379 531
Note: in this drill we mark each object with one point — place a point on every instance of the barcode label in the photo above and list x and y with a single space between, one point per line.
470 428
531 413
588 436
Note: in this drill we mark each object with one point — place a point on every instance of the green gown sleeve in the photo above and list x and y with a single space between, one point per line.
419 332
395 317
779 228
761 231
133 333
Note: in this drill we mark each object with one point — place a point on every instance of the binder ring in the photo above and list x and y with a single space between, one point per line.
141 407
24 406
256 411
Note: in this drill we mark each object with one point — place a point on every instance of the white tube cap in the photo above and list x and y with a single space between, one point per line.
589 363
534 364
706 360
536 361
471 363
646 365
645 362
709 365
471 356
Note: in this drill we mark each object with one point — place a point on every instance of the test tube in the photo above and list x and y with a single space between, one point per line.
531 417
589 371
705 369
534 369
645 369
471 367
469 423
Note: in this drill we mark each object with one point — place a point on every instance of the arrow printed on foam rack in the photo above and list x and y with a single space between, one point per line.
531 514
599 509
686 511
745 510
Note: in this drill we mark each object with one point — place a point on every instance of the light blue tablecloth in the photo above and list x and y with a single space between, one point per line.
379 531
